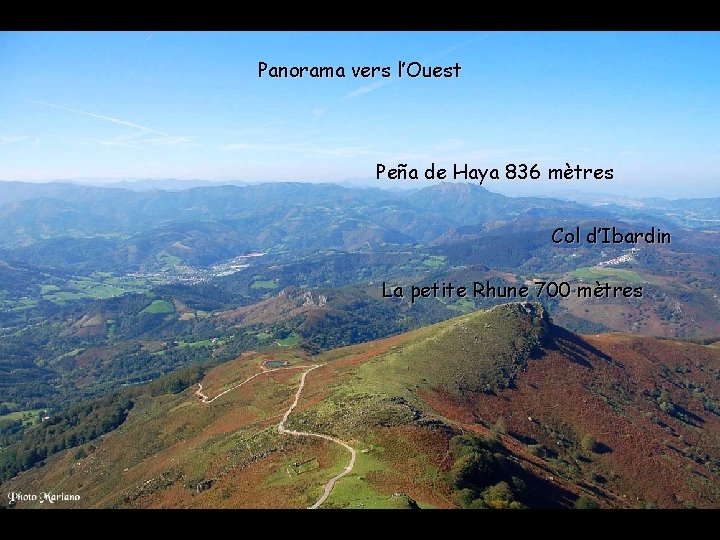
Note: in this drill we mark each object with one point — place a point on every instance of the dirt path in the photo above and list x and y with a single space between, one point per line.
284 431
205 399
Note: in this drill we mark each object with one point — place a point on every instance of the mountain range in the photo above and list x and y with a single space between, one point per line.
136 327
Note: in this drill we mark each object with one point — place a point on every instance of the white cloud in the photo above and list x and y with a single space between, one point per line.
10 139
101 117
317 112
135 141
366 89
162 138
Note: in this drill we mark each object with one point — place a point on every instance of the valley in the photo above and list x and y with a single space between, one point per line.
266 270
108 323
162 311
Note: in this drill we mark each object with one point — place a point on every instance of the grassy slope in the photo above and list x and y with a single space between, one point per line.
159 306
398 401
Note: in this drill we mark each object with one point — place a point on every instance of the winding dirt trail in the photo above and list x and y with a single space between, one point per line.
205 399
284 431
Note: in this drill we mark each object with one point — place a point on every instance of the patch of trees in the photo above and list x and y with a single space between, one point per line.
22 381
351 316
482 475
80 423
667 313
177 381
360 321
667 405
589 444
506 250
585 503
10 431
697 341
200 296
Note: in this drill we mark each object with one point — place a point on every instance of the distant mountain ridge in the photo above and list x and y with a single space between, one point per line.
32 212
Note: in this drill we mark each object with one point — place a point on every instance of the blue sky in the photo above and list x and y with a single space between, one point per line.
191 105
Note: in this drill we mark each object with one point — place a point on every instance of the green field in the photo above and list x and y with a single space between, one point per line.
200 343
159 306
292 339
45 289
61 297
104 291
29 416
101 285
20 305
353 491
434 261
